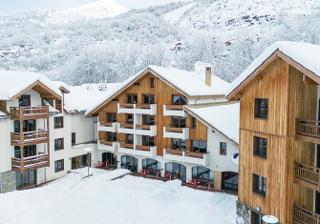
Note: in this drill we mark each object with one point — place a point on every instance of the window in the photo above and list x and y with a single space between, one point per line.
193 122
259 184
132 98
111 137
179 100
178 122
149 99
147 140
148 120
179 144
59 105
28 125
58 122
261 108
199 146
25 101
129 118
223 148
73 138
59 165
152 82
30 150
111 117
129 139
260 146
58 144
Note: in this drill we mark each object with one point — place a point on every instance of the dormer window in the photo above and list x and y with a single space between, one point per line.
261 108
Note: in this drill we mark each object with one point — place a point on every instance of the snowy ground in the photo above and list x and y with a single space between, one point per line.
128 200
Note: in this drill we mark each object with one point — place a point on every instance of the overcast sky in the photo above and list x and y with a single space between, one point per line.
16 6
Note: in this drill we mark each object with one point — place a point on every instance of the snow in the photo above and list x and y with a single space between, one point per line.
92 10
222 117
13 82
305 54
131 200
174 16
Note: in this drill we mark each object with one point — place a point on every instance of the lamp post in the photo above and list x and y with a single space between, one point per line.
269 219
88 150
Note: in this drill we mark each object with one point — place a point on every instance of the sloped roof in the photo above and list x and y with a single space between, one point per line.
303 56
223 117
189 83
13 83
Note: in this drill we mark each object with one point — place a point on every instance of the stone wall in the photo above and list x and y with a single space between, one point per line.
7 181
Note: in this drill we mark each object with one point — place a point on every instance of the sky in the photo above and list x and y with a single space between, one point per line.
17 6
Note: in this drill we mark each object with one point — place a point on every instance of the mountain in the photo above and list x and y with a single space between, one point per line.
92 10
80 48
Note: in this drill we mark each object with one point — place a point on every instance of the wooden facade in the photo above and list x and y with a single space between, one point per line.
163 96
290 98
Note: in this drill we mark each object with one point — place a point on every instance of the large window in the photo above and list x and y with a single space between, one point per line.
147 140
111 117
129 139
25 101
260 146
59 165
30 150
261 108
223 148
179 100
58 122
178 122
111 137
129 118
149 99
28 125
199 146
132 98
179 144
73 138
148 120
58 144
259 184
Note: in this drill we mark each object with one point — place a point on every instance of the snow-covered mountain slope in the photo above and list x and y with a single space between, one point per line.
84 44
92 10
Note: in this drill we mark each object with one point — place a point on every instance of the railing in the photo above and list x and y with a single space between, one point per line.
29 163
126 105
174 129
143 127
174 107
308 174
27 112
106 142
129 126
309 128
31 137
142 148
126 146
143 106
194 154
106 124
174 152
304 216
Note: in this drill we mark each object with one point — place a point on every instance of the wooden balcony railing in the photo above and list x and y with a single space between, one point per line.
106 142
128 126
29 112
30 163
195 154
127 105
307 175
143 106
126 146
106 124
174 129
143 127
174 107
309 130
174 152
303 216
143 148
30 138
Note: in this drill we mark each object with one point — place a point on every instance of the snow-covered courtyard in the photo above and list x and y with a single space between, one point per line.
127 200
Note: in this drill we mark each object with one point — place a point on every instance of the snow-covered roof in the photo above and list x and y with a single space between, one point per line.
190 83
83 97
13 83
305 54
224 118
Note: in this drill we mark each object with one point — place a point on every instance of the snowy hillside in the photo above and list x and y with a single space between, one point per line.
92 10
84 44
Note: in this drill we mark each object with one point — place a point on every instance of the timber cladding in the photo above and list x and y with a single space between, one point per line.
163 96
289 98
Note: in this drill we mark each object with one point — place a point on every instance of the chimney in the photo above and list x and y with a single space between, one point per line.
208 80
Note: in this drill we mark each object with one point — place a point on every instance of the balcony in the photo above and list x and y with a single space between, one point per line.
186 157
30 163
172 132
108 126
308 176
150 109
125 128
138 150
27 113
304 216
29 138
173 110
105 145
148 130
308 130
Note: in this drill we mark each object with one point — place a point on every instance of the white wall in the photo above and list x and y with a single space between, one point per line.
6 150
